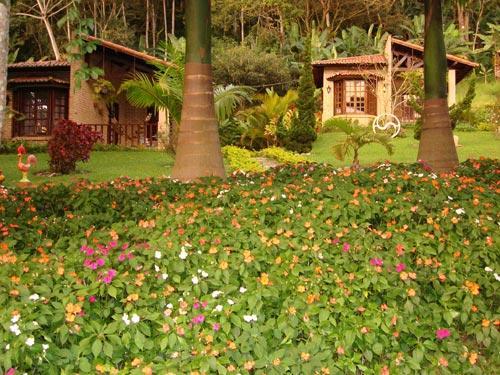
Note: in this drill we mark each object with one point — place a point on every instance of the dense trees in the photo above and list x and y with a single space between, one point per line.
4 52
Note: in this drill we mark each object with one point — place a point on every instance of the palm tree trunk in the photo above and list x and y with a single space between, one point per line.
436 146
4 56
198 147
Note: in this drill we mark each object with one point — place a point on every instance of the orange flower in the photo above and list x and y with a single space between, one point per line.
132 297
485 323
473 358
249 365
264 279
311 298
473 287
443 362
301 289
223 265
340 350
136 362
292 310
276 361
384 371
248 257
411 292
305 356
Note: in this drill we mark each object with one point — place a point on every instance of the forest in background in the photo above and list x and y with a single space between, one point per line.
256 42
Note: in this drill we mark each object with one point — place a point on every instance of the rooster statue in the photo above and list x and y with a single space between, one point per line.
24 168
2 177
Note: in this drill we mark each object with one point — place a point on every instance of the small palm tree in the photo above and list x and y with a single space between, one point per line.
357 137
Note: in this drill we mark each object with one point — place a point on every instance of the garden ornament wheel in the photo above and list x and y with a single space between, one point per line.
387 122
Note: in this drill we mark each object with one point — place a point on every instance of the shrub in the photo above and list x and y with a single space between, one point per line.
10 147
230 132
281 155
333 124
302 133
70 143
240 159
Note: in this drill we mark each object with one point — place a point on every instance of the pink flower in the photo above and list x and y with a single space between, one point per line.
89 251
346 247
335 241
198 319
92 299
442 333
204 304
112 272
113 244
196 305
87 263
11 371
400 267
122 257
216 326
107 279
125 246
100 262
376 262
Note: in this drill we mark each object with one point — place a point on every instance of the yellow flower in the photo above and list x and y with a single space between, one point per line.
136 362
223 265
132 297
276 361
473 287
411 292
249 365
305 356
264 279
473 358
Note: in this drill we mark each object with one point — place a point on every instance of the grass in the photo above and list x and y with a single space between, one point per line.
107 165
102 166
473 145
486 93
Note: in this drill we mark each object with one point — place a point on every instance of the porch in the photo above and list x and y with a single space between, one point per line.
129 135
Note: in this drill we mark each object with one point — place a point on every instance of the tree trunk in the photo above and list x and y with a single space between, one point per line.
4 57
173 17
198 147
165 25
147 25
53 43
436 147
463 20
242 26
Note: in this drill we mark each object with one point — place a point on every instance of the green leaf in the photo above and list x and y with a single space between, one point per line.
139 340
112 291
378 348
96 348
108 349
85 365
418 355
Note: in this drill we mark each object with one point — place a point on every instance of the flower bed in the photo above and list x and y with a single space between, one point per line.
301 270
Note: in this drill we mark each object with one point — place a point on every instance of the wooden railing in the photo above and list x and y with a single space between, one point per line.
145 134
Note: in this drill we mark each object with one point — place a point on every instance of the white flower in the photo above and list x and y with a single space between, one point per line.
230 301
45 347
243 290
216 293
450 198
250 318
283 196
34 297
204 274
135 318
14 328
291 211
157 269
15 318
488 269
157 254
125 319
183 255
170 306
7 347
164 276
219 308
30 341
497 277
460 211
195 280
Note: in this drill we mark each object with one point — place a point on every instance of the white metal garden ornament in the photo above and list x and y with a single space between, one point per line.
387 123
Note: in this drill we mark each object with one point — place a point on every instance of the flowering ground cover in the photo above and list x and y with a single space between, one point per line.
300 270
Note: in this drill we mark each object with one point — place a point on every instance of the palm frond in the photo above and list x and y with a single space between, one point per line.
228 98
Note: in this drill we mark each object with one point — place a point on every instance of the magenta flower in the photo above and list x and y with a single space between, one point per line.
125 246
216 326
87 263
11 371
198 319
109 276
335 241
442 333
377 262
196 305
113 244
346 247
122 257
400 267
92 299
100 262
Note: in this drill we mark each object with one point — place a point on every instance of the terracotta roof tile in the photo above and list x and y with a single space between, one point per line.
40 64
38 80
128 51
364 60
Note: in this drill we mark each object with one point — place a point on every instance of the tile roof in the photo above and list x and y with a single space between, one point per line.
40 64
128 51
421 49
38 80
363 60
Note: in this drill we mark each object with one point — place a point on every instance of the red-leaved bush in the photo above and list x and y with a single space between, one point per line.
70 143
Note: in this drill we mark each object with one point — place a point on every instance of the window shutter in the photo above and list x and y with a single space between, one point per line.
338 95
371 98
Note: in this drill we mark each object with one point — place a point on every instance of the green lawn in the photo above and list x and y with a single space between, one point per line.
107 165
473 145
102 166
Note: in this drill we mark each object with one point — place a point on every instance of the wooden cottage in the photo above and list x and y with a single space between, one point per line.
43 92
362 87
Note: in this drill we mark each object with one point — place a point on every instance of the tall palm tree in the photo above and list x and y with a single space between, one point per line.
198 147
436 146
4 56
